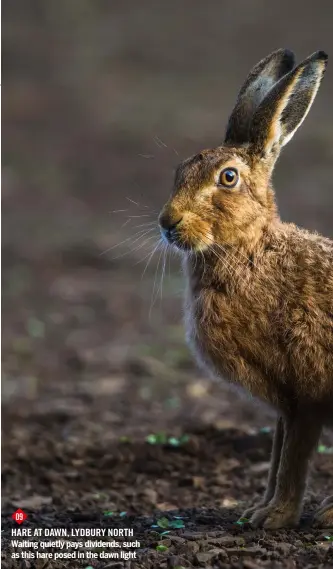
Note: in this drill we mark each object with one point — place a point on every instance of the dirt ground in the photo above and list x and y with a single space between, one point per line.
76 422
106 421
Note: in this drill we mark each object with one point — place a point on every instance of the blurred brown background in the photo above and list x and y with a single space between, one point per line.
101 99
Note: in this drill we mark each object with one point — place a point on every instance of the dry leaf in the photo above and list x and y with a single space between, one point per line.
34 502
165 506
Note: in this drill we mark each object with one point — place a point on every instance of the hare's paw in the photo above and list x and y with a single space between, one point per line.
275 516
248 513
324 515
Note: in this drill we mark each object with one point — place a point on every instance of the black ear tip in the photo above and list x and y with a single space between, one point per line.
289 54
323 57
288 58
311 62
320 56
284 54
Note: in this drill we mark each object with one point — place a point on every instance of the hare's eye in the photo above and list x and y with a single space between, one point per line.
229 177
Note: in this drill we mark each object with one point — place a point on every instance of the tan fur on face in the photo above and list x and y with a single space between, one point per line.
212 214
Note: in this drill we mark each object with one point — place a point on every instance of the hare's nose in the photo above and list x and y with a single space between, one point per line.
168 226
168 223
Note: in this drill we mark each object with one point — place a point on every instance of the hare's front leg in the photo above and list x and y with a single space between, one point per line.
274 467
301 435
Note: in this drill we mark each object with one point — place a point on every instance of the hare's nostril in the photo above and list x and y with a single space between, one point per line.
168 223
169 227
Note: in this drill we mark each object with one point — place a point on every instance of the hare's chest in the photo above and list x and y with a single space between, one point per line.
228 342
212 327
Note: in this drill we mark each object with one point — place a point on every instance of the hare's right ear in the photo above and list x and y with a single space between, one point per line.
258 83
285 106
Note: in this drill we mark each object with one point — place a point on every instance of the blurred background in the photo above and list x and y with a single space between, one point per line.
101 100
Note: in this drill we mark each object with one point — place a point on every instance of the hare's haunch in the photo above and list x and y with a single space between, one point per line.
259 301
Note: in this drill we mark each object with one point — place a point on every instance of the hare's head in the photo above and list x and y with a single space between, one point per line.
224 196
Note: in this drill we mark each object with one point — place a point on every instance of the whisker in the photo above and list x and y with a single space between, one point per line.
126 223
230 268
147 224
136 203
260 269
143 215
159 142
132 201
233 256
135 249
147 156
169 261
163 269
150 258
142 233
151 212
223 260
154 286
230 256
160 288
145 257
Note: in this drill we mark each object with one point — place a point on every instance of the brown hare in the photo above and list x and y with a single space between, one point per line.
259 299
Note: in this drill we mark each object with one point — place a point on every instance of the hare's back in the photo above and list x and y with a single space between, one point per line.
306 324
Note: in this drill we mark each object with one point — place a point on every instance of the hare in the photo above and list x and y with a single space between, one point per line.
259 295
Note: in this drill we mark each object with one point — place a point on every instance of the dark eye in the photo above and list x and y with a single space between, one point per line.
229 177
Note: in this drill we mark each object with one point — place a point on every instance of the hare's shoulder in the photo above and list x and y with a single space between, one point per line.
305 260
301 243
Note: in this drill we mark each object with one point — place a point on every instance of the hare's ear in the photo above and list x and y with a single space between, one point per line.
286 105
258 83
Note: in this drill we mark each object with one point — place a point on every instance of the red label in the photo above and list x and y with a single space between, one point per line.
19 516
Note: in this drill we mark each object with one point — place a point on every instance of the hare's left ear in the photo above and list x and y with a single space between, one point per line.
258 83
286 105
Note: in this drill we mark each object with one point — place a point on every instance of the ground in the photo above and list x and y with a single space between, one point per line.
76 422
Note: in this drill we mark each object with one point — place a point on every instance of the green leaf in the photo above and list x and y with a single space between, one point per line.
122 514
173 442
165 532
184 439
242 521
124 439
162 439
151 439
323 449
163 523
265 430
177 524
329 537
108 513
161 547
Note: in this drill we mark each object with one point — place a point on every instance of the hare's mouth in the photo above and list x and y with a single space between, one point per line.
184 231
175 238
183 242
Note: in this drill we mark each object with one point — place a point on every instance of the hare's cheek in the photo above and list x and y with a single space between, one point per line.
200 235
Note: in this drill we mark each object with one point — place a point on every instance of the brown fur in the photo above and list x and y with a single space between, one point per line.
259 300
